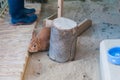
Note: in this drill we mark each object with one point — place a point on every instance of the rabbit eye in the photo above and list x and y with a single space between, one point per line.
34 45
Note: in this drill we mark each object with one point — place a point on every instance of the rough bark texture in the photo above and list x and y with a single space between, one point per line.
62 43
63 39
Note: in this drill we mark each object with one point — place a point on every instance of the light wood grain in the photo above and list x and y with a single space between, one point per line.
84 25
12 60
60 8
14 56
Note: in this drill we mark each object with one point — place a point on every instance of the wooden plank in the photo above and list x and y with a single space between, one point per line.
17 63
84 25
60 8
14 41
25 67
12 77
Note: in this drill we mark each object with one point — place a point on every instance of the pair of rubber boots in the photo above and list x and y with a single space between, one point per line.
19 14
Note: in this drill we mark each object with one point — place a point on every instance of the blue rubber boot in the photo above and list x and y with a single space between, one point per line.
29 11
24 20
18 17
26 10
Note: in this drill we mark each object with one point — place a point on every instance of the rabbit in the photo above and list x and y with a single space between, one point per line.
40 41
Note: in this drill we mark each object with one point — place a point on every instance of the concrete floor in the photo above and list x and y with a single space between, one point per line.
106 25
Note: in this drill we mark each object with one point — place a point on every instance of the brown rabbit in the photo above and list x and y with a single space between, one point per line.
40 41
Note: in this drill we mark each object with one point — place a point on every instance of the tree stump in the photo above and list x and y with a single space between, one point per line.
64 33
63 40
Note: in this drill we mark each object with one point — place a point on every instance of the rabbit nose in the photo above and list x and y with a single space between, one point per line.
30 49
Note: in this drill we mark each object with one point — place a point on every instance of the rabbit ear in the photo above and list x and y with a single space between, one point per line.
34 34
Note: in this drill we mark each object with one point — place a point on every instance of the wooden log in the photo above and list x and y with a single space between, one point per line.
62 41
64 33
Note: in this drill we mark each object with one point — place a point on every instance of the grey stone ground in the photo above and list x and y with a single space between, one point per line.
106 25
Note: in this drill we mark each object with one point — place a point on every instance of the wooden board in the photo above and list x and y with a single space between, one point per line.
13 51
14 41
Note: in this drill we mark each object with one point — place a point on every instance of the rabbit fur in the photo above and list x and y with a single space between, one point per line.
40 41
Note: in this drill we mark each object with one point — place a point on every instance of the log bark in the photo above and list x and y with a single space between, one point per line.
63 40
64 33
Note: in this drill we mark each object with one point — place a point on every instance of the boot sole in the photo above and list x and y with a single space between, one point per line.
17 24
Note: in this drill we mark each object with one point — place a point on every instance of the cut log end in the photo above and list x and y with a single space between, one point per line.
64 33
62 41
64 23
